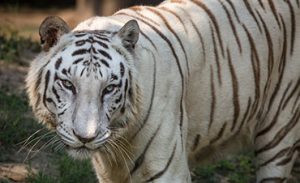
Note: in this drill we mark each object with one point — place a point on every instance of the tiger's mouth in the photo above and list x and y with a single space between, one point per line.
84 150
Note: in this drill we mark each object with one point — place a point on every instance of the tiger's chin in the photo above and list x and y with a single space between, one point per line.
81 153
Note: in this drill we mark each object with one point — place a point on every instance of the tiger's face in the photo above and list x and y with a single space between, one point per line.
88 86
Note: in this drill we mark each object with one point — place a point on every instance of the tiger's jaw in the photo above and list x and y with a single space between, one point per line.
81 148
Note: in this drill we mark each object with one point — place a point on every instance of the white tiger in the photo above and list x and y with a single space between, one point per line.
150 92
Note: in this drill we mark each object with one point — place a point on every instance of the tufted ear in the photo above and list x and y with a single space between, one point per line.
129 34
51 29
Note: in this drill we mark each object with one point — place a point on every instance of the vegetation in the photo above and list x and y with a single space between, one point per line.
237 170
13 46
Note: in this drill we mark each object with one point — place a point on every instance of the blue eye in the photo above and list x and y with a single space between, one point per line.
109 89
68 85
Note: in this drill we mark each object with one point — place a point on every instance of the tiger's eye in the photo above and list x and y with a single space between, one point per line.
110 88
67 83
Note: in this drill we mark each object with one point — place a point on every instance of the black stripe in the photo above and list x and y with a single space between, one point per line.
261 4
287 160
235 91
285 46
114 77
126 85
197 31
80 34
232 26
196 142
101 37
83 71
47 79
80 52
272 6
279 136
256 70
213 98
64 71
173 32
293 24
122 69
216 55
92 50
292 150
297 85
220 134
139 161
177 16
274 120
278 155
58 63
100 43
119 99
151 99
281 66
201 40
125 91
214 21
56 94
50 100
245 115
159 174
78 60
151 42
37 85
105 54
273 179
248 6
61 113
104 62
136 9
270 56
234 10
296 100
80 42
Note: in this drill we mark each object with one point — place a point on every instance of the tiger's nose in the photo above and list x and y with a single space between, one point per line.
85 139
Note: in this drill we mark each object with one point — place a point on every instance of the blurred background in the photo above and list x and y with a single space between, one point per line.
28 151
26 15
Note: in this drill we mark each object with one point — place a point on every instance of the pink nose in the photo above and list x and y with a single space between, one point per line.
85 139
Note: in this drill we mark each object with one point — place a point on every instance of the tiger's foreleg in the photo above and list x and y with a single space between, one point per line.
277 143
174 167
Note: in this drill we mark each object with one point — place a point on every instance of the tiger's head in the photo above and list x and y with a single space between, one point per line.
82 84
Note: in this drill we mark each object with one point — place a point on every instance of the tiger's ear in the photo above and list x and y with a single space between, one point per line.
51 29
129 34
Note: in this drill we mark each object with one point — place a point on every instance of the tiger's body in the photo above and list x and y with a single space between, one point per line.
206 76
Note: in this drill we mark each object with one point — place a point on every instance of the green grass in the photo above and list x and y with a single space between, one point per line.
13 45
238 170
14 119
70 171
